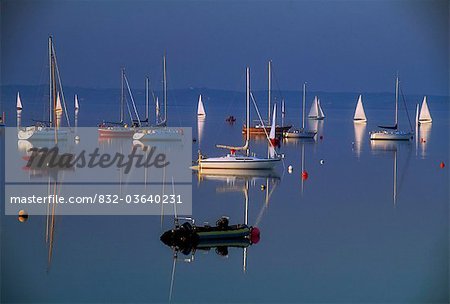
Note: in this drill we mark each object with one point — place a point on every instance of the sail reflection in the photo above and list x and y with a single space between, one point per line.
423 138
360 131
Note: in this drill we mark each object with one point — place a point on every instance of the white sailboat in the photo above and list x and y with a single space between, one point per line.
77 105
19 111
161 132
425 116
234 161
18 102
119 129
394 134
200 107
360 114
316 111
301 133
42 131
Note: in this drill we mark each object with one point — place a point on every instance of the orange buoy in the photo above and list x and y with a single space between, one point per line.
23 216
304 175
442 165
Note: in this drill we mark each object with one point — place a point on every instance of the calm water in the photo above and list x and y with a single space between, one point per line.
342 235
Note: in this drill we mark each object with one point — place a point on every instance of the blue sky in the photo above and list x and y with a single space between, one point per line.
340 46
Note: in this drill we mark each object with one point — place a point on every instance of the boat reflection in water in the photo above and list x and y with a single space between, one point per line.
422 137
360 131
388 146
188 238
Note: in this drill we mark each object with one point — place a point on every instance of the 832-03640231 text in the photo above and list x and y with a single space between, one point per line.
100 199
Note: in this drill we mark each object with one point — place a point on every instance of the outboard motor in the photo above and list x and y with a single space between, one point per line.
222 223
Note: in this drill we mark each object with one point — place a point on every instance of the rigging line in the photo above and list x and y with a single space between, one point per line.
60 87
264 128
129 110
406 108
132 101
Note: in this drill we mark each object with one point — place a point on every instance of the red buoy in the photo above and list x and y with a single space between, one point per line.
255 235
442 165
304 175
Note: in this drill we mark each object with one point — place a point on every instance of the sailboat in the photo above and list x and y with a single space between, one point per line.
200 108
48 130
260 128
301 133
360 115
77 105
316 111
118 129
425 116
18 102
233 161
394 134
161 132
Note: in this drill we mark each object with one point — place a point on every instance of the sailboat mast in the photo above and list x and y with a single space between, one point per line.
303 106
50 106
248 110
165 87
396 102
270 88
146 99
122 95
53 83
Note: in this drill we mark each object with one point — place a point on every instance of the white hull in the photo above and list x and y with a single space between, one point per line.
299 134
159 134
237 163
359 121
390 135
41 133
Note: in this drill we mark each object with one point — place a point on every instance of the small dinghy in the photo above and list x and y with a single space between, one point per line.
188 235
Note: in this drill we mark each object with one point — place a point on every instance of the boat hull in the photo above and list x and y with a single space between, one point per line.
238 163
159 134
359 121
41 133
266 129
390 135
299 134
115 132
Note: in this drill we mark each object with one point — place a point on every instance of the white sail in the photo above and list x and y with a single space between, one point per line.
273 126
77 106
314 111
200 107
321 115
18 103
58 108
360 115
425 116
272 133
